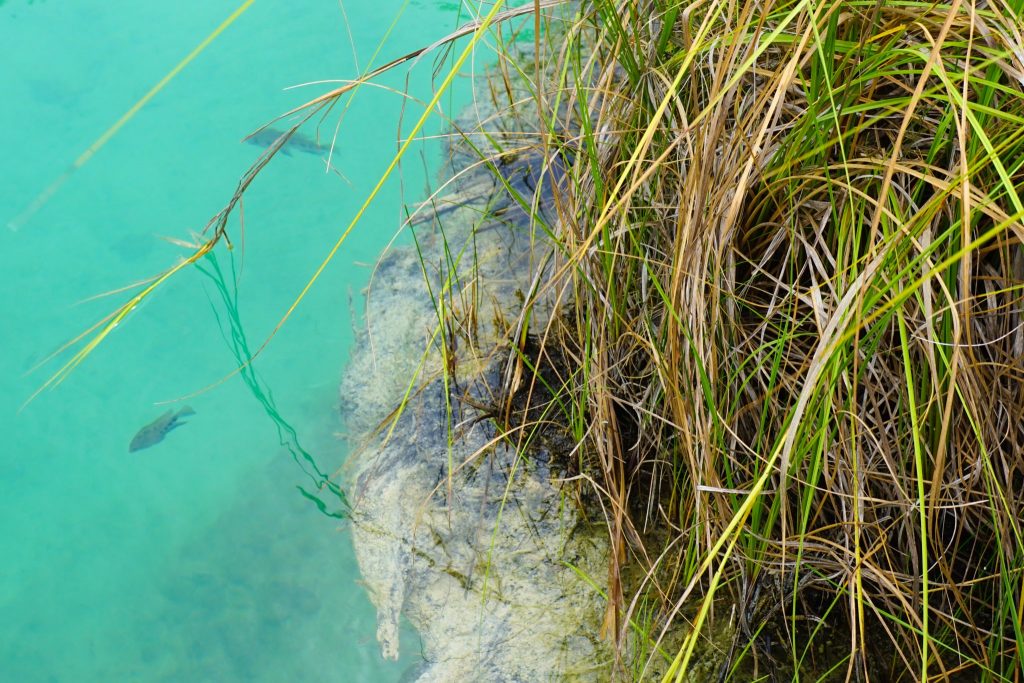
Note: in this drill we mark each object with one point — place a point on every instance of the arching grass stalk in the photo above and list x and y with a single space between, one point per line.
216 229
922 500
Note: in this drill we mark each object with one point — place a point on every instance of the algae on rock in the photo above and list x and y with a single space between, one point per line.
453 527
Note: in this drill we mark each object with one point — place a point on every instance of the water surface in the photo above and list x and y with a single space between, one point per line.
196 559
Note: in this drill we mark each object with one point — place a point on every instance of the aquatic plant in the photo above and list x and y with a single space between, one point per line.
234 335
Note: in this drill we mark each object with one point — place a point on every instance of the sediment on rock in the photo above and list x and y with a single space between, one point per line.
460 530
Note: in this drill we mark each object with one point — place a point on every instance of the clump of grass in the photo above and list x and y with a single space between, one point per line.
792 241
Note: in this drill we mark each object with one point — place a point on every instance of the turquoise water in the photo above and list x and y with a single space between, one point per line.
196 559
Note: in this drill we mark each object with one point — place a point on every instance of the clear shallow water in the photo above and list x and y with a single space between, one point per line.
196 559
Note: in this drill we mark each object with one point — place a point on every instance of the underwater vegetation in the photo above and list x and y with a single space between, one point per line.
786 330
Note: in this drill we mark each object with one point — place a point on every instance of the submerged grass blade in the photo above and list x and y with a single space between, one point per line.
234 335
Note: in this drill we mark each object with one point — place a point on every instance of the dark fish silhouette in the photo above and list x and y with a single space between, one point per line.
156 430
298 142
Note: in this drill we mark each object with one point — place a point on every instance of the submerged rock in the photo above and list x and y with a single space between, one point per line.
476 547
453 527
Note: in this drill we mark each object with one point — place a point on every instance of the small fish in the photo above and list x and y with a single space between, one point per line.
156 430
298 142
